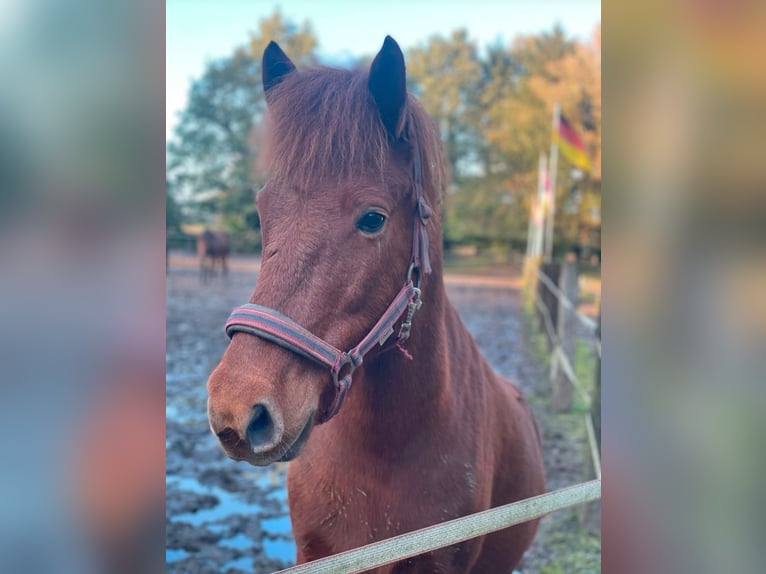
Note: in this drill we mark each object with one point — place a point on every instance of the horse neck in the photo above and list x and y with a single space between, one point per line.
393 395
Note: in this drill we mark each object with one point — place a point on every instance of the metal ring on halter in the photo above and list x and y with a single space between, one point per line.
346 360
413 267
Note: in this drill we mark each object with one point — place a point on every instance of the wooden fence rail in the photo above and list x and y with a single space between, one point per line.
556 306
451 532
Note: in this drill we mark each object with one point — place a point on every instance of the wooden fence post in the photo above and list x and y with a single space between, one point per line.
596 396
549 301
566 323
589 514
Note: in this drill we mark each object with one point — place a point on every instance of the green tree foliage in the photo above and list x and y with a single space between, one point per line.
173 216
445 74
492 105
209 154
214 150
495 113
297 41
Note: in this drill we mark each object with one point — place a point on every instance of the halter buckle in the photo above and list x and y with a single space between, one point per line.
412 306
424 210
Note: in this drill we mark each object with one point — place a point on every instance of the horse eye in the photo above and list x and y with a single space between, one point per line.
371 222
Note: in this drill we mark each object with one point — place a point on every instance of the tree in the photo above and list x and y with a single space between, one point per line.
173 216
493 124
445 75
574 80
518 115
297 41
519 88
493 109
209 153
212 156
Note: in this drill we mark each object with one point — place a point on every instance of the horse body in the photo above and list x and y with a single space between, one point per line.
212 247
427 433
448 438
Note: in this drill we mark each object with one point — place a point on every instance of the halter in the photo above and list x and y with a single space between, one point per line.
273 326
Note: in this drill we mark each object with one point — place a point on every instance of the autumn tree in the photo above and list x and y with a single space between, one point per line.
445 75
574 81
492 106
512 119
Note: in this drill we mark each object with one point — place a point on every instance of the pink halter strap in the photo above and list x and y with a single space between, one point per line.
280 329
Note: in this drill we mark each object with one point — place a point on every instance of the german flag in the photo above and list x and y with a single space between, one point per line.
571 145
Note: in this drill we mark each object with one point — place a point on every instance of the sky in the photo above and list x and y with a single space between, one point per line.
200 30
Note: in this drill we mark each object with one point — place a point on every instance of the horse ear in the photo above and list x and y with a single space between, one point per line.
274 66
388 85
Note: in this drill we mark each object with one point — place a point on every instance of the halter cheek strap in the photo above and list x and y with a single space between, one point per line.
423 212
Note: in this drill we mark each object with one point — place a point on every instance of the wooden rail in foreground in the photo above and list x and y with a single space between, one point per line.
447 533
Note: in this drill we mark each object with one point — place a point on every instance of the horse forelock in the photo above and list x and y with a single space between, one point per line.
324 127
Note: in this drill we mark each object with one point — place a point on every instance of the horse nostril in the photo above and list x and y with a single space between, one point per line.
260 431
228 436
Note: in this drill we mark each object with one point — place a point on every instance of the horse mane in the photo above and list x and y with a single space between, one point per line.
324 126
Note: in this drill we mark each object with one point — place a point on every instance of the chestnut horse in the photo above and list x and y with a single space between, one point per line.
212 246
351 249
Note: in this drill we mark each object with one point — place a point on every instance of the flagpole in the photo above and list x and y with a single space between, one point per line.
535 212
541 190
553 166
532 232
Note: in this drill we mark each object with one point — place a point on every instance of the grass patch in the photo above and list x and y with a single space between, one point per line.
538 343
572 547
585 360
563 545
585 370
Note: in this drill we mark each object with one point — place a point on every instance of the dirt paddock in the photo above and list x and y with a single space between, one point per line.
229 517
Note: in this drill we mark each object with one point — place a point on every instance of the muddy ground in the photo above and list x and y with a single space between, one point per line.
230 517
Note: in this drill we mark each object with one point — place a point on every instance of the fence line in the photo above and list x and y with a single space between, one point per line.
560 359
584 319
448 533
551 332
594 453
563 360
558 356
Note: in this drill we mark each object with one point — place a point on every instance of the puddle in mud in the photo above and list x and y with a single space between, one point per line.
227 503
238 541
243 563
279 548
241 524
172 555
278 525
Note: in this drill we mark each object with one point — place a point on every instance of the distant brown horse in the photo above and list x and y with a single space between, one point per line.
427 432
212 247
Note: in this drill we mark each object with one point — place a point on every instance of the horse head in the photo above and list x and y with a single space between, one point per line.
346 152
